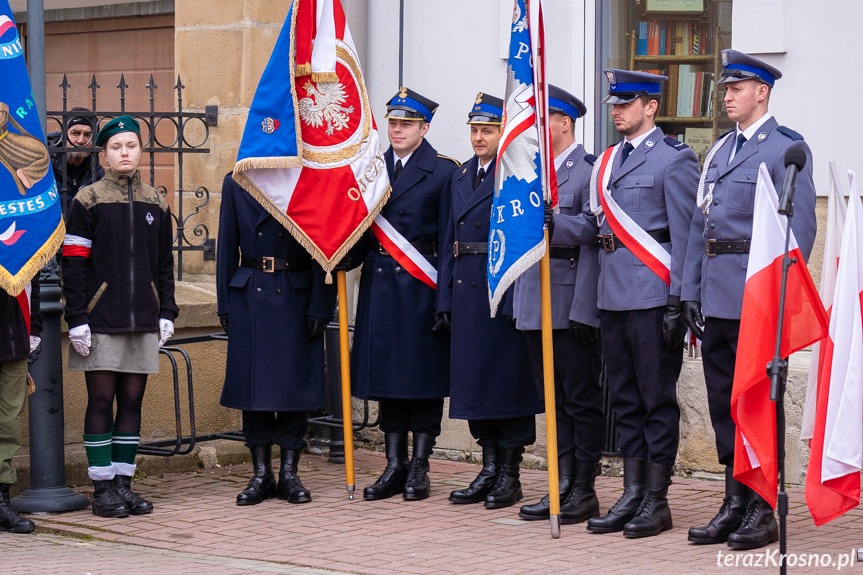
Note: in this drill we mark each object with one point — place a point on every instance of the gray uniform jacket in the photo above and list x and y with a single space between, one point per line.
717 282
572 227
656 187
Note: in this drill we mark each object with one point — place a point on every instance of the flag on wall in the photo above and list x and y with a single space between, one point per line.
524 159
833 476
310 152
805 322
31 226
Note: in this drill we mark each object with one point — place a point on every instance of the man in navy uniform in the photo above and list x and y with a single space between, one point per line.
397 359
274 305
577 350
715 271
643 197
492 384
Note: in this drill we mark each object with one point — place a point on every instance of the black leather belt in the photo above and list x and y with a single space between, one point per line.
567 253
465 248
270 265
716 247
611 242
421 247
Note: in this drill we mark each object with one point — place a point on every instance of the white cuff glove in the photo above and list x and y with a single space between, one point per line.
80 338
35 340
166 330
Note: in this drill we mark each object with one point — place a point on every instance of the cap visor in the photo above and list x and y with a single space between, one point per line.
619 99
483 120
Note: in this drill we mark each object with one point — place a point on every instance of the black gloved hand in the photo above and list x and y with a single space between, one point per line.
549 221
316 326
34 355
442 321
692 317
223 321
584 334
673 328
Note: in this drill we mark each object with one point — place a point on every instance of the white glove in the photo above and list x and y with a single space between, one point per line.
80 338
35 340
166 330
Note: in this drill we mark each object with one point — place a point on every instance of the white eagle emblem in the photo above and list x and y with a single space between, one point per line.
326 104
518 26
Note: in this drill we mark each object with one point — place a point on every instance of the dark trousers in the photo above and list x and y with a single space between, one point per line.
642 378
719 355
505 433
417 415
577 394
284 428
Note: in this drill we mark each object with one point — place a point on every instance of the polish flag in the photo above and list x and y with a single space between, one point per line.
833 477
805 322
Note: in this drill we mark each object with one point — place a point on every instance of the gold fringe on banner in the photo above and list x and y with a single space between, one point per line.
302 69
325 77
14 285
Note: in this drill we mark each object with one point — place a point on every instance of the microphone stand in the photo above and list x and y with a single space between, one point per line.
777 370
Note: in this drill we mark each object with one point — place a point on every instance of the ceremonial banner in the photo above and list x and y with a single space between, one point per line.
833 476
310 152
31 226
804 323
524 159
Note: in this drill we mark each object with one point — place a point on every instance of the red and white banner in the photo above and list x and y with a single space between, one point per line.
804 323
24 303
404 252
833 477
648 251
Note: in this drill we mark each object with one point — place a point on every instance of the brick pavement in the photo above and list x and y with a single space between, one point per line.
197 528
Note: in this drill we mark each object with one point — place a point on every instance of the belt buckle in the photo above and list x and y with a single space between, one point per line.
606 242
709 248
268 265
455 249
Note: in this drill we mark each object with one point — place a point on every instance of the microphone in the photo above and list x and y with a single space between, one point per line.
795 160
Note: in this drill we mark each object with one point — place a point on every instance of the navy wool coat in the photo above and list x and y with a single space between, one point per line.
489 365
396 354
271 364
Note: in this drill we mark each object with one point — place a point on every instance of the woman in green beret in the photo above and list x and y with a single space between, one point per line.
118 284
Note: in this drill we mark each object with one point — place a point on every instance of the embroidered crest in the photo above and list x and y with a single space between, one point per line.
478 98
724 58
403 92
325 104
149 217
569 163
762 136
122 125
497 249
610 75
519 24
269 125
649 144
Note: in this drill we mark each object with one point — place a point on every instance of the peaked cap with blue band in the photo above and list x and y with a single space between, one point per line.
560 100
409 105
625 86
486 110
737 66
116 126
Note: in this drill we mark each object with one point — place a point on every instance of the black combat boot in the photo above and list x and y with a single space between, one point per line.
582 503
730 515
393 479
418 485
540 510
290 487
653 515
263 485
484 482
106 502
758 527
10 521
507 487
137 505
624 509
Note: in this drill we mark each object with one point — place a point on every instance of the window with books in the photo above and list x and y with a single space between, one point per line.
681 39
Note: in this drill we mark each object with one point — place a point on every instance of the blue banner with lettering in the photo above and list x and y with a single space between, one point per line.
31 223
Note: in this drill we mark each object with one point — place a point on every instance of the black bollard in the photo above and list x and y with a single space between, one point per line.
48 491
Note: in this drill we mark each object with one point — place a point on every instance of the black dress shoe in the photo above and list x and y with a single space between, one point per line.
507 487
653 515
730 515
624 508
758 528
106 502
10 521
540 510
484 482
582 503
262 485
290 487
137 505
392 480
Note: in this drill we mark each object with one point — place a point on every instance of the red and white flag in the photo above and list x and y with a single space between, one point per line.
805 322
311 152
833 477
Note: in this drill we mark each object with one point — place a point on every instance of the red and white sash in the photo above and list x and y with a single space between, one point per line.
649 251
403 252
24 303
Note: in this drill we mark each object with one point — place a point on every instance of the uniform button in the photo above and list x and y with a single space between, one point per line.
398 269
712 226
616 185
477 224
472 284
257 290
260 234
715 202
637 182
379 270
749 177
461 223
458 282
402 212
720 181
281 235
278 292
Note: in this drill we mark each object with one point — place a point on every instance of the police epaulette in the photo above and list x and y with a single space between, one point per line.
675 143
590 159
454 161
790 133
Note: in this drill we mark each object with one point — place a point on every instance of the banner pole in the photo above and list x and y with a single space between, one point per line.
548 384
347 414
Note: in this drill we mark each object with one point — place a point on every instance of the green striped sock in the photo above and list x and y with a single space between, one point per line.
124 447
98 448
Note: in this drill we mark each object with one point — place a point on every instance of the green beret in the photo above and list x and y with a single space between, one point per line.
116 126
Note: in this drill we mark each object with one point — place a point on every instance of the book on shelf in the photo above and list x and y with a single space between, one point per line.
662 37
699 140
671 90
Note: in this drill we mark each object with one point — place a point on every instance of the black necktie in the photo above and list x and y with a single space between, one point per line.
627 149
741 139
398 170
479 177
